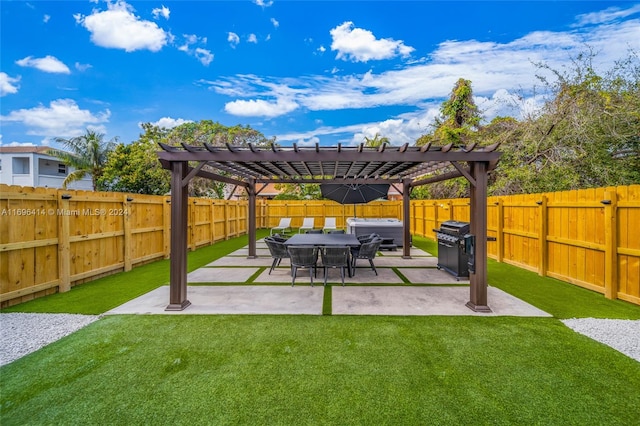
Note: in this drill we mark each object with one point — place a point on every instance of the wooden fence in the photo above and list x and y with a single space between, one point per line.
588 237
53 239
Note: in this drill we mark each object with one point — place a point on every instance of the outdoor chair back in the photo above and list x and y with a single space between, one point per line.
335 257
329 223
336 231
314 231
278 252
303 257
307 224
283 226
367 251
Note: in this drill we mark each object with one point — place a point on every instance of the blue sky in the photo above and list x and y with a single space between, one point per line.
302 71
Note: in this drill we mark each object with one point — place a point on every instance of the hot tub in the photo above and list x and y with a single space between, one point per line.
388 229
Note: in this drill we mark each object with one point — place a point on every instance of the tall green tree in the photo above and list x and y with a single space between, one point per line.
87 154
459 118
135 167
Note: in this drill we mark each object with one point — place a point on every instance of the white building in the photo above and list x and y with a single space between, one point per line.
32 166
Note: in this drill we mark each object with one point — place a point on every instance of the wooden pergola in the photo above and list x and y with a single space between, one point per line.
253 167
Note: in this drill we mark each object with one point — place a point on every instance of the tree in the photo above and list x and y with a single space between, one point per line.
87 154
376 141
216 134
135 167
459 116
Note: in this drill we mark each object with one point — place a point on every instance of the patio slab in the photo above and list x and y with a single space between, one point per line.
398 262
434 300
245 252
413 251
274 300
430 276
221 275
363 276
243 261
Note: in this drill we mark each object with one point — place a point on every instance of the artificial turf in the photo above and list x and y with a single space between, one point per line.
309 370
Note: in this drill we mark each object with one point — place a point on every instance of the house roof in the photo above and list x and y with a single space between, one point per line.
24 149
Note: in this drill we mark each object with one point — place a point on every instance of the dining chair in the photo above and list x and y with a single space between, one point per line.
283 226
367 251
336 231
307 224
335 257
329 223
278 252
303 257
314 231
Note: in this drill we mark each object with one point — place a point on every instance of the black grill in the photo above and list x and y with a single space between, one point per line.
451 255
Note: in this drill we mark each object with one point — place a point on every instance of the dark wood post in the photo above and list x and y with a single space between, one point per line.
478 198
179 208
406 219
251 191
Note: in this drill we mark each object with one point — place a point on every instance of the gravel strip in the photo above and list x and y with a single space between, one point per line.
621 335
21 334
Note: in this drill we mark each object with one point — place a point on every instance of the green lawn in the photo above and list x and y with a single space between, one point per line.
310 370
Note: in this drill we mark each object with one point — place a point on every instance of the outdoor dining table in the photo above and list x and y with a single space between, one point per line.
318 240
323 240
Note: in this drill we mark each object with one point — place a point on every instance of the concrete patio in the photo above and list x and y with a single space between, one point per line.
402 287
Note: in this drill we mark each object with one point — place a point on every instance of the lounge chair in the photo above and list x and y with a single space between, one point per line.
329 224
283 226
307 224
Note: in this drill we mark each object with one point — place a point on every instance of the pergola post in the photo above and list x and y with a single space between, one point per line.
179 208
251 191
406 219
478 198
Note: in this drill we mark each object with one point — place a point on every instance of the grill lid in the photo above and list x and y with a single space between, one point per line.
454 227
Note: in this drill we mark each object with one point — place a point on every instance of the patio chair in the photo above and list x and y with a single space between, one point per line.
278 252
367 251
335 257
336 231
363 239
314 231
303 257
283 226
278 237
307 224
329 223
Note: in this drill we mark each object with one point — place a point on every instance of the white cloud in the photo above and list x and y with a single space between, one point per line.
233 39
48 64
62 118
252 38
169 123
610 14
82 67
204 56
275 23
161 11
118 28
260 107
46 18
359 45
263 3
8 85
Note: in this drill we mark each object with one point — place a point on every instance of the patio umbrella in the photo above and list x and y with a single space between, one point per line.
354 193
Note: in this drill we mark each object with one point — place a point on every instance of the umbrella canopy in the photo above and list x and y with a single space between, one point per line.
354 193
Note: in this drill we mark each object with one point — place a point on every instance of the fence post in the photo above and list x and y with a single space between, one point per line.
64 246
126 225
212 220
166 226
192 218
611 245
500 231
226 220
543 226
